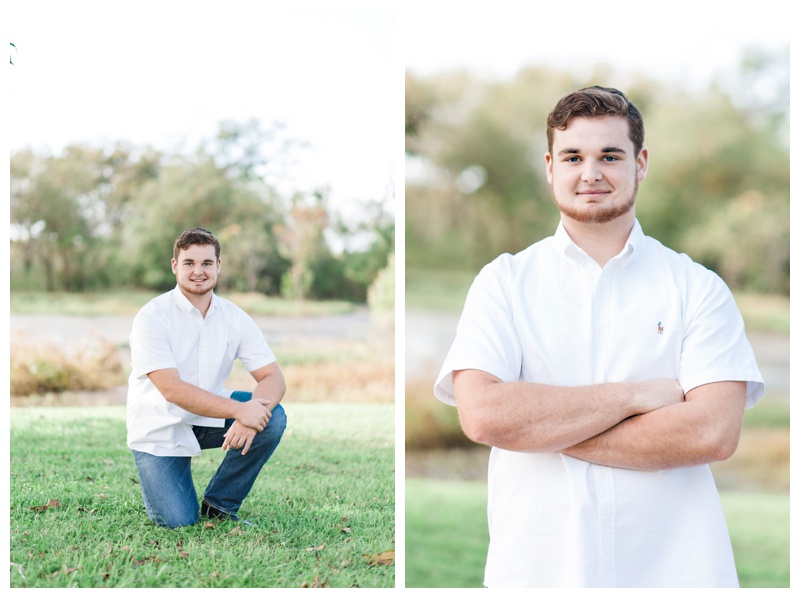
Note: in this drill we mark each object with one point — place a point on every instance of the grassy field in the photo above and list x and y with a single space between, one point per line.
323 507
129 302
446 526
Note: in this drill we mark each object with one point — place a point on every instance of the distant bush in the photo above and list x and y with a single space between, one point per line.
381 293
431 424
38 368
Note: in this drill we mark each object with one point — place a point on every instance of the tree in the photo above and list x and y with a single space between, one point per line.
301 240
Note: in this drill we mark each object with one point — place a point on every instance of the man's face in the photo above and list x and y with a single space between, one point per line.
196 269
593 173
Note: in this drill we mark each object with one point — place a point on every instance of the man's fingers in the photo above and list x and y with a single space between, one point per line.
247 445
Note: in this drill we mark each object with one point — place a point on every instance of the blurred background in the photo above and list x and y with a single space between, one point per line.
133 121
271 127
713 87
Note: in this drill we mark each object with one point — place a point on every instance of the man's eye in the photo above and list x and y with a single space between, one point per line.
610 158
573 159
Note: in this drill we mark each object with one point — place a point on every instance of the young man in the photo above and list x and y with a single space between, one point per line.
183 346
606 371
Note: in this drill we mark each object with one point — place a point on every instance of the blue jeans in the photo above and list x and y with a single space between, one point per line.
167 486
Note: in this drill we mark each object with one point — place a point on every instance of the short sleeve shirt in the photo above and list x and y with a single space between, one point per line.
551 315
169 332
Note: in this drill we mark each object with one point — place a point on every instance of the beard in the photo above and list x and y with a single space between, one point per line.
201 290
597 213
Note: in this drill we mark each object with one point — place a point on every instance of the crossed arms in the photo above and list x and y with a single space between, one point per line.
635 425
251 417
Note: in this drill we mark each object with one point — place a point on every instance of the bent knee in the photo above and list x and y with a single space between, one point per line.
277 421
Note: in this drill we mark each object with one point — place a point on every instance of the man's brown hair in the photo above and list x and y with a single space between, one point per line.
595 102
194 236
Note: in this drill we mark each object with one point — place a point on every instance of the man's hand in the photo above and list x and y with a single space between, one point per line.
253 414
237 436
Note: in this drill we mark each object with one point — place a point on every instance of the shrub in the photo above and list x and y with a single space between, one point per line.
38 368
381 293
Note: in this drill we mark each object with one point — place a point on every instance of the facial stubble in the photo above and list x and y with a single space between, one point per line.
594 213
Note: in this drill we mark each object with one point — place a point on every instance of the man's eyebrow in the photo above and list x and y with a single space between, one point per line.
568 151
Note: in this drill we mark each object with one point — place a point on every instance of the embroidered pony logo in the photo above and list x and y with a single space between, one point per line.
660 328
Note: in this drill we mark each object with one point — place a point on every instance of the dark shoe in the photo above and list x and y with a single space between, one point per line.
206 510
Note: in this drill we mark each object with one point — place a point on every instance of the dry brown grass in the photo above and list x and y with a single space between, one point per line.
336 372
760 462
39 368
349 382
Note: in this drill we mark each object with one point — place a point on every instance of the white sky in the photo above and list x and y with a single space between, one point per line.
682 39
166 73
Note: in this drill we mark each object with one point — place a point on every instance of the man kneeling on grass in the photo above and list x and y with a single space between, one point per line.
183 346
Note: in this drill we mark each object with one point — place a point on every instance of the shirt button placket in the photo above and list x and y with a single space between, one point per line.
606 507
202 357
603 476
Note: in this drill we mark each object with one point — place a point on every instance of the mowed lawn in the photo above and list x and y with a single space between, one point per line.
323 507
446 535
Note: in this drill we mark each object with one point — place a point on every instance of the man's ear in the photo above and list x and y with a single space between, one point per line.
641 164
548 167
174 266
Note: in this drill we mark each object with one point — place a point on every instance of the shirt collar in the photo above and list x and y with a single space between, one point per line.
185 305
633 246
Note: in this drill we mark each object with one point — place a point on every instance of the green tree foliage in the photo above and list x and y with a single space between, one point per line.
95 218
53 209
717 186
301 241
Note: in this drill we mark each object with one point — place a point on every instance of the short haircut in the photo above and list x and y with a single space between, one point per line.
194 236
595 102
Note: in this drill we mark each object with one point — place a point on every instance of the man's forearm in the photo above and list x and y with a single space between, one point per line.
525 416
703 429
270 385
206 404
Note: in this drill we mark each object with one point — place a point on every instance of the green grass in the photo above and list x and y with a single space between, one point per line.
446 535
759 528
129 302
323 506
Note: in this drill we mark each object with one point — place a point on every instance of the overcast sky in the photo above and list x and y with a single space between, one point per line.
686 40
166 73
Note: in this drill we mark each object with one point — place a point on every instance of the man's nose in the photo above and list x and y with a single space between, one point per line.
591 172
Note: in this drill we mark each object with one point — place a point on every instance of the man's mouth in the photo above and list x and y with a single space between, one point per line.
593 194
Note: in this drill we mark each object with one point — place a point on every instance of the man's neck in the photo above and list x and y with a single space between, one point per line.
201 302
601 241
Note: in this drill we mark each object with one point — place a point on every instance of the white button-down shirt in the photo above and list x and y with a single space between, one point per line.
551 315
169 332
